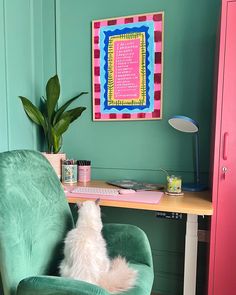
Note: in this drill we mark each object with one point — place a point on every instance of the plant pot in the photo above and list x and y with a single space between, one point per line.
55 160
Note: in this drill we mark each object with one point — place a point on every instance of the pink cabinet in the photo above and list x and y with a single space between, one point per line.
222 264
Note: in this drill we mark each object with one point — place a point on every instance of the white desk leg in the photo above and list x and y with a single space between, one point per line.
190 264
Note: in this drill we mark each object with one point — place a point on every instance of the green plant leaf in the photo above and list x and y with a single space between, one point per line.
73 114
56 142
49 140
61 126
53 120
53 93
60 111
56 134
33 112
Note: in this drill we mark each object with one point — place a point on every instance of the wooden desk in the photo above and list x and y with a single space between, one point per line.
192 204
189 203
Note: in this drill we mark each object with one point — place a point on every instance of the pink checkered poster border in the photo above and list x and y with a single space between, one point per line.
158 21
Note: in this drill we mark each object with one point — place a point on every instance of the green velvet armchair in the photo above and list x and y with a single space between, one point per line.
34 220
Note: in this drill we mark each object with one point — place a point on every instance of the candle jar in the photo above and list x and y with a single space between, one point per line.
174 184
84 170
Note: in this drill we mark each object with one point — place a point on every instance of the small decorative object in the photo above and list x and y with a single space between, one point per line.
69 171
186 124
128 67
52 119
174 184
84 170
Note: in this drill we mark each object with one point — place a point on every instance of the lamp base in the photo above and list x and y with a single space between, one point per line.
194 187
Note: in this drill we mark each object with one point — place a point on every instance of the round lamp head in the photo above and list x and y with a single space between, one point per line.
184 124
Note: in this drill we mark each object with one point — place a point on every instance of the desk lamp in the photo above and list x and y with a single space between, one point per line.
186 124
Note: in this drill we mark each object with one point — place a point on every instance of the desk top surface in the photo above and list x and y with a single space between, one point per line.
190 203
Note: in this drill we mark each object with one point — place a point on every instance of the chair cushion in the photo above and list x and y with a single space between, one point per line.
144 280
132 243
47 285
128 241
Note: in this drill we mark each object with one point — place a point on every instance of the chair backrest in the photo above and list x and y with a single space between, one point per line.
34 217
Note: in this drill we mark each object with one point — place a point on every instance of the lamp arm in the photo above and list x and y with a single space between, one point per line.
197 176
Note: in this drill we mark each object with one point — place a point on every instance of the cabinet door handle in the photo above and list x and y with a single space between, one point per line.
225 145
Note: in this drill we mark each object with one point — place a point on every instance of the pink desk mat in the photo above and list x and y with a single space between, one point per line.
146 197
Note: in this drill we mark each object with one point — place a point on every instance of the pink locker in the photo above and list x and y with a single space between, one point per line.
222 264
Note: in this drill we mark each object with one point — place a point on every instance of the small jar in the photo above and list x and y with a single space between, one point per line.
69 171
174 184
84 170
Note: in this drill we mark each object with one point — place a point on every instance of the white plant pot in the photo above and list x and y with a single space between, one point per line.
55 160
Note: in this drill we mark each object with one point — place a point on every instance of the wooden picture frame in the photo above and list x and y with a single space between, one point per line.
127 55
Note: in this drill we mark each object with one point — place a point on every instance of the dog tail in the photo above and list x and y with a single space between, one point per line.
119 278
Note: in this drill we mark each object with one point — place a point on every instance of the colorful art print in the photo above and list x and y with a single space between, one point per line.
128 67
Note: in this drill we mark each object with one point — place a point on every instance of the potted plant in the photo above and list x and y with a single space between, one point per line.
52 119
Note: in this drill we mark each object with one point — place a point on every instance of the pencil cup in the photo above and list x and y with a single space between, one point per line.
84 171
69 173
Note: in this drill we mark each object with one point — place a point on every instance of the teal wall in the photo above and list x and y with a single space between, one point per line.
16 72
30 54
39 38
138 149
27 58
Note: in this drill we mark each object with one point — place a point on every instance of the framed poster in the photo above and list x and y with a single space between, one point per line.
128 67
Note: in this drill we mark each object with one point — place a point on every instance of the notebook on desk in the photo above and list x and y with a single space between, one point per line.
145 197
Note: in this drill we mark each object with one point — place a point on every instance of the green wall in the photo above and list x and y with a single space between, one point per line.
138 149
39 38
27 59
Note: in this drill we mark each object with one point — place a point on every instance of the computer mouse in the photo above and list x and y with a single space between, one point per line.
126 191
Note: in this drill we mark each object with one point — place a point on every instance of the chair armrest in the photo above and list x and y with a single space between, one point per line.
128 241
49 285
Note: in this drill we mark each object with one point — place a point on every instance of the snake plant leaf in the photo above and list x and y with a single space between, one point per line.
53 93
33 112
56 141
60 111
57 131
55 121
73 114
61 126
50 140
